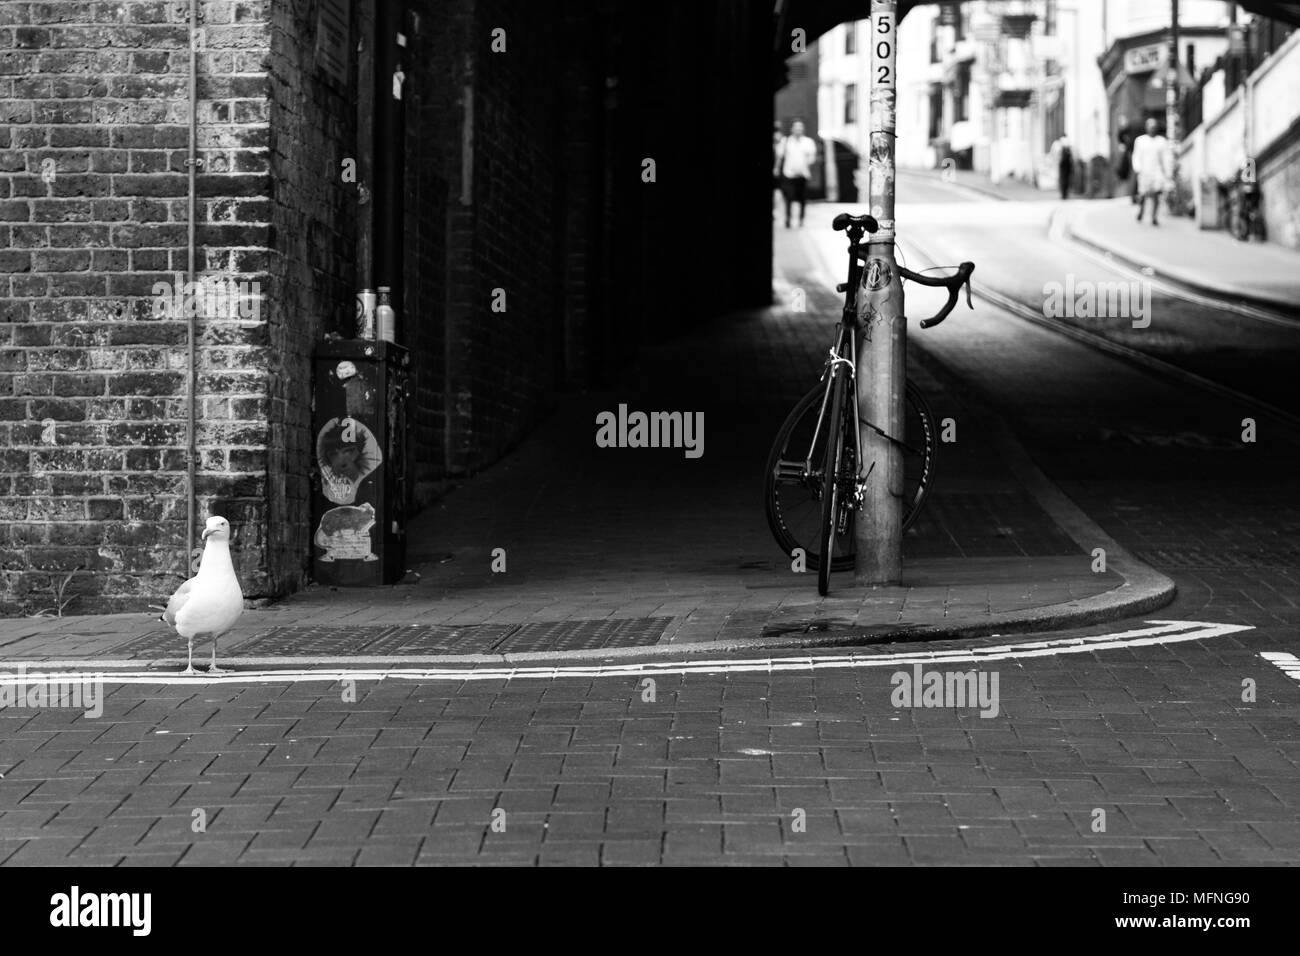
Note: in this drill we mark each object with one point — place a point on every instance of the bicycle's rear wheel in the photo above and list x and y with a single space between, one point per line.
793 486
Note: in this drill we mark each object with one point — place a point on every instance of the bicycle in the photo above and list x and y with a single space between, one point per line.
1245 219
802 506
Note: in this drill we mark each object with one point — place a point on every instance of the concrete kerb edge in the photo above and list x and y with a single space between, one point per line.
1176 279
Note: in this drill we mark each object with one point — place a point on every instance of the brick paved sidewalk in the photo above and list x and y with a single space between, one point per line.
627 548
1210 261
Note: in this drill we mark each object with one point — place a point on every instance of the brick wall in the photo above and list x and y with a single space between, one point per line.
483 378
506 365
93 97
1279 187
432 157
312 131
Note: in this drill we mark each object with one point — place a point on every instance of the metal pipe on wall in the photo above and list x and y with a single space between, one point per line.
191 397
389 151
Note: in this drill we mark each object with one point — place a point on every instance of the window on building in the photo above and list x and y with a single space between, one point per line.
1054 116
850 103
961 94
1049 18
949 16
936 111
850 39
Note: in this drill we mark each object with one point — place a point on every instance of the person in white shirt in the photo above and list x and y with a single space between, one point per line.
1151 162
794 159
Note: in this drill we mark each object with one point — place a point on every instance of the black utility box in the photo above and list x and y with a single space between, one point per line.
359 487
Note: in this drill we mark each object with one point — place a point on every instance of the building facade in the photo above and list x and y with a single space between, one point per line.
992 86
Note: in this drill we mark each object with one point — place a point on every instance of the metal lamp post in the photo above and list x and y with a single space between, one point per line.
882 352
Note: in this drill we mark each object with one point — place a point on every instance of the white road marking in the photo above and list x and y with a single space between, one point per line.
1162 632
1288 664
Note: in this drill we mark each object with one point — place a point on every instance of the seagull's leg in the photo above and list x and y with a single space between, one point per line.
189 667
214 669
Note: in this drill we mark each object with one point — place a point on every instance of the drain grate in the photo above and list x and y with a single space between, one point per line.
1196 559
324 640
441 639
161 643
412 639
585 635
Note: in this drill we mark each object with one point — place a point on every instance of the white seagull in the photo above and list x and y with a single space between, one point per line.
210 602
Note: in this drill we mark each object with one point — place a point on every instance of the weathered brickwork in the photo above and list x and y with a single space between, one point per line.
505 364
312 130
529 216
484 377
93 213
432 158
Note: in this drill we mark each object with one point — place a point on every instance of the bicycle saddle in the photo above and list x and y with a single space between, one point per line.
844 220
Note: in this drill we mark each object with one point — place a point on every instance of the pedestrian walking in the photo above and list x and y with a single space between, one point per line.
794 161
1064 165
1151 165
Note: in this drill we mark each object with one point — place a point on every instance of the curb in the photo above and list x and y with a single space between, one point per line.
1144 589
1178 280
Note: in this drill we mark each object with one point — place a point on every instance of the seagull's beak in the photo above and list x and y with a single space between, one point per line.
206 532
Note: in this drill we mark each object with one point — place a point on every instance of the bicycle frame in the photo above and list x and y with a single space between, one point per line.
845 334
